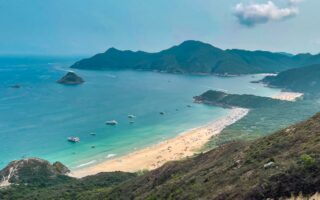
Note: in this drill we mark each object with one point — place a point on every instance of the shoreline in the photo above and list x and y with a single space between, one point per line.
288 96
182 146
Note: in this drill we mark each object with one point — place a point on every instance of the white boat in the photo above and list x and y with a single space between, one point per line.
73 139
111 122
131 116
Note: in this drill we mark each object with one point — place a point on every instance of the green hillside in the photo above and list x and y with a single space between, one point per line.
223 99
304 79
196 57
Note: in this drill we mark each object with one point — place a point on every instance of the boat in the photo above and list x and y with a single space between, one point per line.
111 122
162 113
131 116
93 134
73 139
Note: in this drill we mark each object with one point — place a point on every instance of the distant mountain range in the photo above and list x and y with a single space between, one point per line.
303 79
199 58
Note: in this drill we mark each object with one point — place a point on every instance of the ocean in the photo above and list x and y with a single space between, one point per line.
37 118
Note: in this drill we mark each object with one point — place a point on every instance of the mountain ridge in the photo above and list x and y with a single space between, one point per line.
196 57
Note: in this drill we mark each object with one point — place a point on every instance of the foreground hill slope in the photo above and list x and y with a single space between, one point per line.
278 166
33 171
196 57
304 79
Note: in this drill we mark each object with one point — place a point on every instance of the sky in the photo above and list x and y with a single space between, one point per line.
86 27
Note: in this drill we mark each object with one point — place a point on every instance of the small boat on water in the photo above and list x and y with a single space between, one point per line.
93 134
162 113
131 116
111 122
73 139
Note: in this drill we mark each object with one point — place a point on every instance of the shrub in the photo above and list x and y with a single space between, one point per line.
307 160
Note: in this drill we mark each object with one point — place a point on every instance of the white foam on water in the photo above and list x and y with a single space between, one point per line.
86 164
110 155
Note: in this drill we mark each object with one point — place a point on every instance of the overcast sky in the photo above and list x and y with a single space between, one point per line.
85 27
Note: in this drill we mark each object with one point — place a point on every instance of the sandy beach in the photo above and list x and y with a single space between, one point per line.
288 96
182 146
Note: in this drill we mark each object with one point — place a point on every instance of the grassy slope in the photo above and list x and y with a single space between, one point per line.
266 120
90 187
236 170
265 117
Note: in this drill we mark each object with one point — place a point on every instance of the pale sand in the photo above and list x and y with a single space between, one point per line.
316 196
182 146
288 96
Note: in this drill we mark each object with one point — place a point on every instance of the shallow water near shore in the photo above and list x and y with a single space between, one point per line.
36 118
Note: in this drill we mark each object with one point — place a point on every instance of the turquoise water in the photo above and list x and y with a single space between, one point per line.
36 119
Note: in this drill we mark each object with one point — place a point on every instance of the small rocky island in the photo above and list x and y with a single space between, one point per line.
71 78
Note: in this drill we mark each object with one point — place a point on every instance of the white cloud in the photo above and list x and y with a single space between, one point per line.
255 13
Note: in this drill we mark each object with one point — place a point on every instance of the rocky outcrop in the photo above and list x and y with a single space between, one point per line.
71 78
31 171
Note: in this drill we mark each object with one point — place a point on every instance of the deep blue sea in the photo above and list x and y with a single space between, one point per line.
36 119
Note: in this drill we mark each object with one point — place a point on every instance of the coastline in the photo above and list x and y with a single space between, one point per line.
184 145
288 96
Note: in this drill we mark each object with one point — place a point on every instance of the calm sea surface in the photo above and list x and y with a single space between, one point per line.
36 119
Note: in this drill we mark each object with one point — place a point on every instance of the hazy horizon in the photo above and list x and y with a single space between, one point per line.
89 55
43 27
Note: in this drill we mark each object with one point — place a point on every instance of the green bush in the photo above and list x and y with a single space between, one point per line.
307 160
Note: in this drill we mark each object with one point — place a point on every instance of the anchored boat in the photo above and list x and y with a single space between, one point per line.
73 139
111 123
